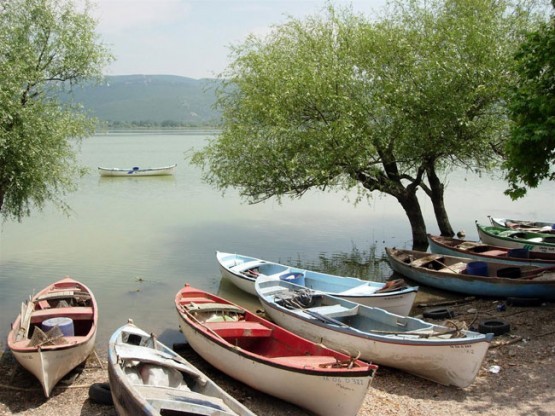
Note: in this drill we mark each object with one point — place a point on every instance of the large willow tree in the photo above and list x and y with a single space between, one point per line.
388 105
46 45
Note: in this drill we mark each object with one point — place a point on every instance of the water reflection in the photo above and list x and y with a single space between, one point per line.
136 241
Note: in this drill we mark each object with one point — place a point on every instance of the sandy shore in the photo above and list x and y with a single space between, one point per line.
517 378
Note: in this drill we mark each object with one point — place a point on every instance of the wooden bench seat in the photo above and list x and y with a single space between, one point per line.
194 299
334 311
180 400
75 313
306 361
495 253
214 307
425 259
239 329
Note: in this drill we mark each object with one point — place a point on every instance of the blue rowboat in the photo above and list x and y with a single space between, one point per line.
394 296
479 251
478 278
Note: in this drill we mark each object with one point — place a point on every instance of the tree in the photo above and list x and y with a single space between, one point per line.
384 105
47 45
530 149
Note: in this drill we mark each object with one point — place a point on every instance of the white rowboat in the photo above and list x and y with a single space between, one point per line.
147 378
55 331
269 358
137 171
446 355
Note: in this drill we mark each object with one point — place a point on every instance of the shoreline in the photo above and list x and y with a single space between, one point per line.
516 378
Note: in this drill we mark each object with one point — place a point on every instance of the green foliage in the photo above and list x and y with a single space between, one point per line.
46 45
340 100
531 148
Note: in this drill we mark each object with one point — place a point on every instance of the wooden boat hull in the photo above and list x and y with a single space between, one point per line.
136 171
538 242
448 361
303 376
479 251
148 378
50 366
397 298
452 279
48 362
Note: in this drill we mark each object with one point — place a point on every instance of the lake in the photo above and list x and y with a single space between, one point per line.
136 241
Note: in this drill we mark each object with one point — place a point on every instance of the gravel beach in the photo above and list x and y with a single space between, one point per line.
517 377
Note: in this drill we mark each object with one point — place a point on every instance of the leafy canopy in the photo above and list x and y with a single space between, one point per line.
46 46
531 147
339 101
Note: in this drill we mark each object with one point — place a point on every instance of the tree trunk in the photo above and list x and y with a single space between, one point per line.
436 195
410 204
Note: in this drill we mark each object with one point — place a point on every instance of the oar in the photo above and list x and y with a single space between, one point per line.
325 318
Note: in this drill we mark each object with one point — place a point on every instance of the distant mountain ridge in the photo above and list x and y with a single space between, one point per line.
156 99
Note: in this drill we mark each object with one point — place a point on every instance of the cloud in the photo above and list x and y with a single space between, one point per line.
120 16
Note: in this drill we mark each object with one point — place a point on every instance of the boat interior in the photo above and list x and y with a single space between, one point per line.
167 382
74 305
350 316
236 327
455 265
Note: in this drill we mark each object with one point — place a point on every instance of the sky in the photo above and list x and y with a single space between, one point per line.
193 38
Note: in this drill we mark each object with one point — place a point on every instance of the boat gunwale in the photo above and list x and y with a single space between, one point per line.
366 369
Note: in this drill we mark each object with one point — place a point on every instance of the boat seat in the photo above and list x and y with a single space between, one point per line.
181 400
426 259
241 267
495 253
75 313
64 293
306 361
238 329
361 290
195 300
334 311
273 290
214 307
455 268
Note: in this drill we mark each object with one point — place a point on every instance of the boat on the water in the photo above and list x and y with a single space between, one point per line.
534 226
476 250
148 378
394 296
138 171
478 278
444 354
505 237
271 359
55 331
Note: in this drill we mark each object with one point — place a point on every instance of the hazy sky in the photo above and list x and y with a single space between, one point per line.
192 38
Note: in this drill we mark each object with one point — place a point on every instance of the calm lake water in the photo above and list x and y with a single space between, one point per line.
136 241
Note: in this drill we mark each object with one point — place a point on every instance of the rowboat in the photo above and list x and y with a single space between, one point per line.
137 171
534 226
270 359
55 331
479 278
148 378
444 354
395 296
477 250
498 236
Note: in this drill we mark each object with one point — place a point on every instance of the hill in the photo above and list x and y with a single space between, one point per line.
161 100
